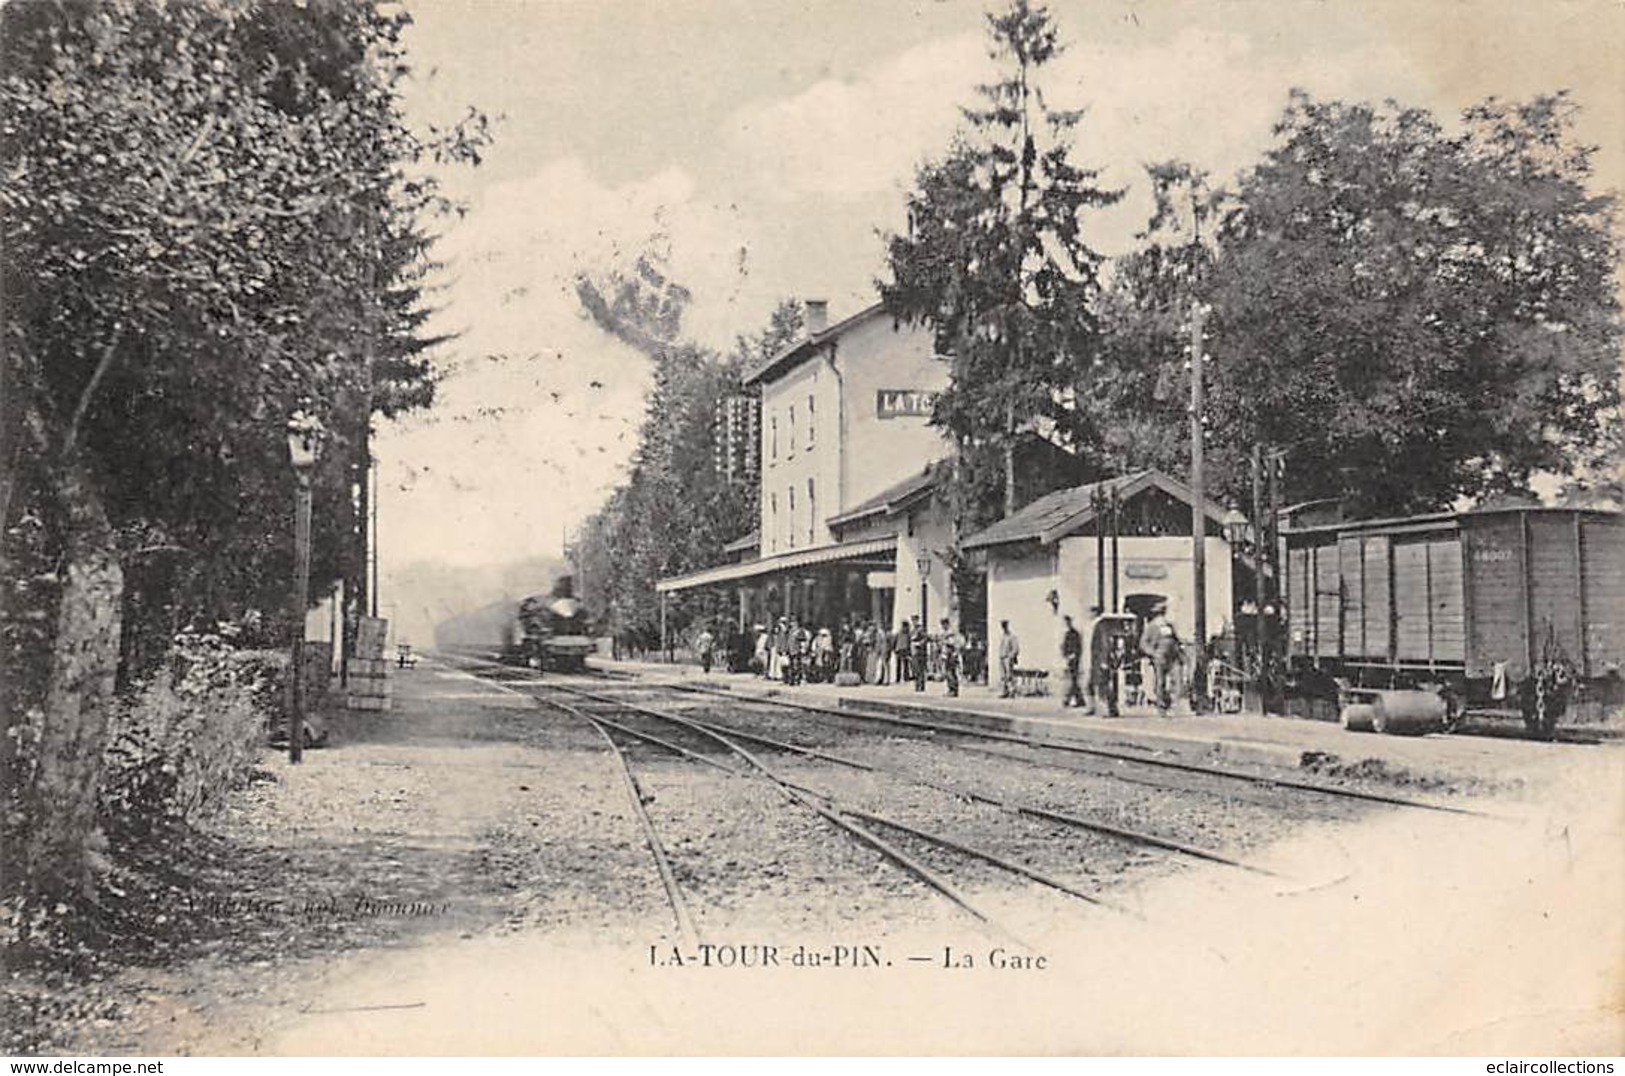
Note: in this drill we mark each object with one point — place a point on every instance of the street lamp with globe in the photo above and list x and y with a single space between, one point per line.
305 435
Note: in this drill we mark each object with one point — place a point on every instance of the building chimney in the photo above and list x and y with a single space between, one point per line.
817 316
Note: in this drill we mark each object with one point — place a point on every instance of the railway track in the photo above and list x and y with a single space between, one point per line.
625 725
949 733
1082 759
959 791
875 830
856 822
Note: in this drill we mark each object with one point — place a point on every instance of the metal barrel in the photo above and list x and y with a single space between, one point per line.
1359 717
1411 712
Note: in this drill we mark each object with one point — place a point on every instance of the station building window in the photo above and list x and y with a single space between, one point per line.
772 521
791 529
790 431
812 414
773 438
812 512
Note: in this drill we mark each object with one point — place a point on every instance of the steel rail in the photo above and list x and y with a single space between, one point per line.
668 878
1030 810
1073 748
800 795
835 807
685 923
721 734
840 813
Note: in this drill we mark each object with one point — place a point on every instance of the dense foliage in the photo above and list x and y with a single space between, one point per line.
996 263
676 512
1413 313
214 217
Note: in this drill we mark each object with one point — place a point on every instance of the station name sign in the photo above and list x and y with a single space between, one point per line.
904 403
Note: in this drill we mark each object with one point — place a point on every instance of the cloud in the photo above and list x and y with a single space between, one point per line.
1205 95
537 417
858 136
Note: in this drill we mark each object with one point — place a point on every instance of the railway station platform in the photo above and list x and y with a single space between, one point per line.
1479 759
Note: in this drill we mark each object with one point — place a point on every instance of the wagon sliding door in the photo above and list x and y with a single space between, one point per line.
1603 557
1446 615
1376 606
1300 597
1411 602
1429 626
1328 602
1497 594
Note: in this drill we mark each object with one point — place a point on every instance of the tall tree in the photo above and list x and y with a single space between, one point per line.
676 512
210 210
1145 314
1417 314
996 262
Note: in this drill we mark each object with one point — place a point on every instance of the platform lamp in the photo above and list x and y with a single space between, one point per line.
305 435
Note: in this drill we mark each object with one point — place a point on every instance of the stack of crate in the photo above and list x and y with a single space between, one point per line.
367 670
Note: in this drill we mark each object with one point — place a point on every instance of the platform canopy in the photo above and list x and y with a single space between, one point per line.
799 558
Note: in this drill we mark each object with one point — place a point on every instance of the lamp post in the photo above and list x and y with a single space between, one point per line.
1199 700
924 566
304 448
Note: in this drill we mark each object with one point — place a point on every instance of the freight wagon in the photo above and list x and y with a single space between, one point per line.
1510 612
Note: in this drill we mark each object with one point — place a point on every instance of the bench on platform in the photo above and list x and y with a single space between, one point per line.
1026 683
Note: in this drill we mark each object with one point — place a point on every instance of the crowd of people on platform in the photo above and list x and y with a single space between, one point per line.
855 651
859 651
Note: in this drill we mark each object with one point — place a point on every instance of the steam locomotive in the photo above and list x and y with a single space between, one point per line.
551 631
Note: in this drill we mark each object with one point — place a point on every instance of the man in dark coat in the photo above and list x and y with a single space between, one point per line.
903 645
916 657
1072 652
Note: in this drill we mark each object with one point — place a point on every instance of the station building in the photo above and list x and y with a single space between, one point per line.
850 522
1070 551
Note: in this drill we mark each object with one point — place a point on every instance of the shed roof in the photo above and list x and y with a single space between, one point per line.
1056 515
744 543
894 498
858 551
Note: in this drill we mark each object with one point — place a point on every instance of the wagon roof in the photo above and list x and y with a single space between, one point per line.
1441 520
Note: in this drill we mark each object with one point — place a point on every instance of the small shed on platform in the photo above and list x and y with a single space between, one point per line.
1121 544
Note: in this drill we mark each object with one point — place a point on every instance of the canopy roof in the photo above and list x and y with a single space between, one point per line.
895 498
800 558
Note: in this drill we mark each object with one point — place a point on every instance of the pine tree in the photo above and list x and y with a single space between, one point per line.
995 261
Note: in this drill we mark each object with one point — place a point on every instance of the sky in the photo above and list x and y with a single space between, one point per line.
764 145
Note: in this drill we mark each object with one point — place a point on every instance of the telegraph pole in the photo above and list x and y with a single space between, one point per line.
1116 511
1276 462
1099 500
1260 535
1198 518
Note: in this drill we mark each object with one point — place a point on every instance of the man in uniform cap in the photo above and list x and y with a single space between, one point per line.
1160 643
